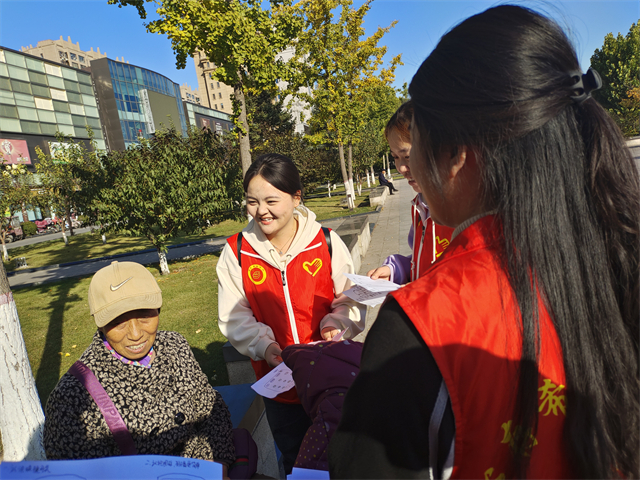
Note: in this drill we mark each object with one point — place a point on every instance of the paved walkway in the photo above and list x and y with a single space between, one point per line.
389 236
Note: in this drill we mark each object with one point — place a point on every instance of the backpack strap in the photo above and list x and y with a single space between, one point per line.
109 411
239 248
327 237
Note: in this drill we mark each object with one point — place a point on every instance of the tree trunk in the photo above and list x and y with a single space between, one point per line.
329 189
350 166
245 145
104 239
21 416
345 178
67 212
5 254
64 235
164 266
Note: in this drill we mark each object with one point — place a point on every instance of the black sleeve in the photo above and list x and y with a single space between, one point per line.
384 431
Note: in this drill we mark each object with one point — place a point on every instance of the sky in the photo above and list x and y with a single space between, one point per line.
420 23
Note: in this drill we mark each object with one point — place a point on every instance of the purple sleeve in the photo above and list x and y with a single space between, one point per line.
400 268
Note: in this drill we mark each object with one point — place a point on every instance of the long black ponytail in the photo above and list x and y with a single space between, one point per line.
564 184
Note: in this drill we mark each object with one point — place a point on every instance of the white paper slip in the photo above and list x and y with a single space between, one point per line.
367 291
275 382
372 285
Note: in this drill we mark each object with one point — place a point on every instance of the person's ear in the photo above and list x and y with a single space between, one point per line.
297 198
458 160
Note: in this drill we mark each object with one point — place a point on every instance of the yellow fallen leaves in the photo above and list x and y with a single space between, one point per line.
199 330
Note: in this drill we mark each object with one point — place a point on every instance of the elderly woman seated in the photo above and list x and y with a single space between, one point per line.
164 401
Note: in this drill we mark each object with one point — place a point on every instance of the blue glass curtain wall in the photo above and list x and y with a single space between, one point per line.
127 80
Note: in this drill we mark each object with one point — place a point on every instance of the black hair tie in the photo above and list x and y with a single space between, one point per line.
585 84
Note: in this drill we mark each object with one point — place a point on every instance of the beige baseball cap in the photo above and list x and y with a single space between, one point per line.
120 288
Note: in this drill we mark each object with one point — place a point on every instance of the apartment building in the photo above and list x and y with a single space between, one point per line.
213 94
189 95
65 52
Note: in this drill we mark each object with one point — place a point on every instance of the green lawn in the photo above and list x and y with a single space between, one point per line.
57 326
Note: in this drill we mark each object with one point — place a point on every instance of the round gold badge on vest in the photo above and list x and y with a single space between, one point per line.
257 274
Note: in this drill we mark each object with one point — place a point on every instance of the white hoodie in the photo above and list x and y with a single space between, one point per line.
235 317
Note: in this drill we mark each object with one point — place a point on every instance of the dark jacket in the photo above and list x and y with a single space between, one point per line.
382 179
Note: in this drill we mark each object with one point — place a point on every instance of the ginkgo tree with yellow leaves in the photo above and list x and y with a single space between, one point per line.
345 69
239 37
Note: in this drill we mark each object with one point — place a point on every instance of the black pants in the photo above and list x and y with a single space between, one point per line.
289 424
391 187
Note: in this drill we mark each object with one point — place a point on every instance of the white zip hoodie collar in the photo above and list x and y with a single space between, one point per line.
308 228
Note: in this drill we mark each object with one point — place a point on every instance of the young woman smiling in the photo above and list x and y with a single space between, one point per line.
280 283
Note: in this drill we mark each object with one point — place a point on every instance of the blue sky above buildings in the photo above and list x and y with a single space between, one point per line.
120 32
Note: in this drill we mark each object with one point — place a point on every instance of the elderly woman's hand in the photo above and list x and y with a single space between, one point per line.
272 355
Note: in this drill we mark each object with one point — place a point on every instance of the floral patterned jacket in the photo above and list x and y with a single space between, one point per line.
169 409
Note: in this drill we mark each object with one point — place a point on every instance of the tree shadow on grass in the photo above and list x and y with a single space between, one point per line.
49 370
212 363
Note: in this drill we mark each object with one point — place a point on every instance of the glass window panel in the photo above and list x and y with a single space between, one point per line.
18 73
41 91
120 71
89 100
7 97
10 125
139 76
86 89
74 97
84 78
4 71
27 113
21 87
15 59
67 130
36 77
58 94
70 74
73 86
45 116
24 100
44 103
56 82
48 129
2 59
63 118
30 127
8 111
93 123
74 56
91 111
81 131
60 106
101 145
127 73
53 70
5 83
121 115
33 64
78 121
77 109
97 133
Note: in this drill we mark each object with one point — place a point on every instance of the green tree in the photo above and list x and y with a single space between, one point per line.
15 191
343 66
60 178
618 63
166 186
240 38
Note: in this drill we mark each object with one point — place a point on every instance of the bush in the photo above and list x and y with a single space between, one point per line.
29 228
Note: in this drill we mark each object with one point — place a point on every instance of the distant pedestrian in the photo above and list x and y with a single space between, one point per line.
382 178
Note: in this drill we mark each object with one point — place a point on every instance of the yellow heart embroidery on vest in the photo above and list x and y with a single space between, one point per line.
313 267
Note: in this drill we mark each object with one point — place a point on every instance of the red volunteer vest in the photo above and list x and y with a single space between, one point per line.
462 308
292 302
429 241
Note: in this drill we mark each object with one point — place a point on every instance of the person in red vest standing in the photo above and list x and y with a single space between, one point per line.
427 239
516 354
280 282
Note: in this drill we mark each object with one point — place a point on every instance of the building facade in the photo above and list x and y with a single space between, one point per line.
213 94
64 51
203 117
190 95
135 102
